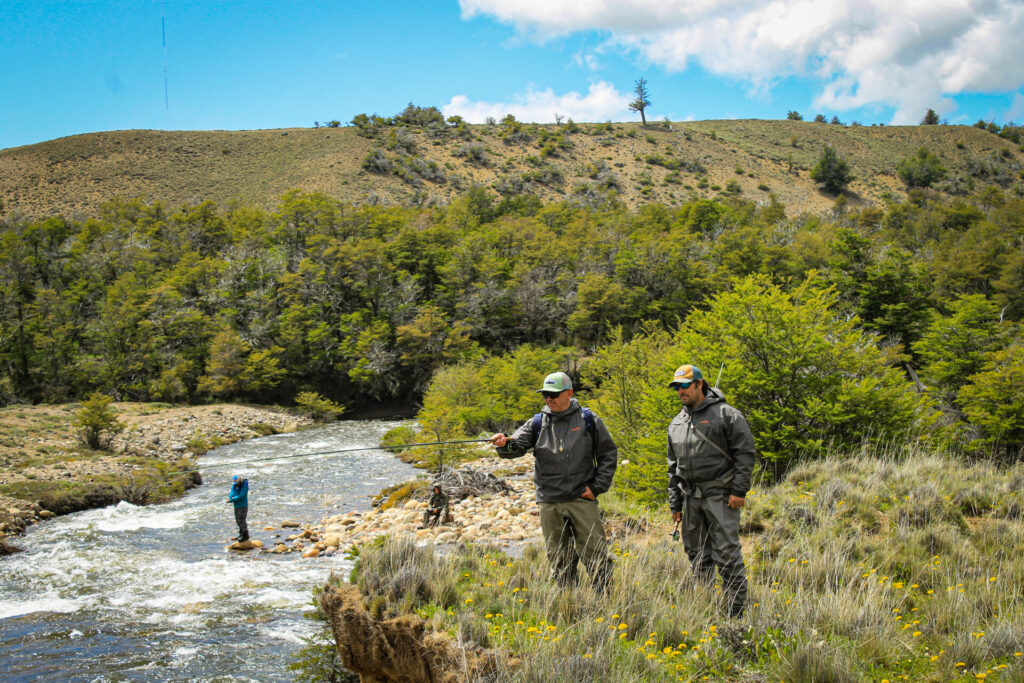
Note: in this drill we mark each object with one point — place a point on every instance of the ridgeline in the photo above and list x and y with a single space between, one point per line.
667 163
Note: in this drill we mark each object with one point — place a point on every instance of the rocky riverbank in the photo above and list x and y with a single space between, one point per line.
44 470
499 518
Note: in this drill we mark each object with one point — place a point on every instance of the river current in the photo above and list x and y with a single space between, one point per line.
129 593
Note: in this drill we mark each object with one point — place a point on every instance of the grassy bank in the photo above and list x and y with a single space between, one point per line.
862 568
148 480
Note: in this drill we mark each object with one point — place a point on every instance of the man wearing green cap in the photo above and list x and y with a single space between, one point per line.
710 460
575 463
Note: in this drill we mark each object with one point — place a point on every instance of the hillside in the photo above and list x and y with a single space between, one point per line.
665 163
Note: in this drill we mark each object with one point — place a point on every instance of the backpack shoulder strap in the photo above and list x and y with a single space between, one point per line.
588 417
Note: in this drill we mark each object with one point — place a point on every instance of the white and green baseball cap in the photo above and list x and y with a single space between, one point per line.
556 382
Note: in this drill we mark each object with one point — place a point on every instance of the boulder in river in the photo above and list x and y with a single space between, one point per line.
241 545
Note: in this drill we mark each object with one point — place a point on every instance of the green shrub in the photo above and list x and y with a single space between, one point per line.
97 422
398 436
263 429
921 170
317 407
198 443
993 401
954 347
831 172
496 395
807 378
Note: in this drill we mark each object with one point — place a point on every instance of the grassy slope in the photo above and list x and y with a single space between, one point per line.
866 568
74 175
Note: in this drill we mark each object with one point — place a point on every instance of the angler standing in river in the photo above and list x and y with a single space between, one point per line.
239 496
576 460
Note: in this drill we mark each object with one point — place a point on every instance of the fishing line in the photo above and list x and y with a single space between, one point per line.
344 450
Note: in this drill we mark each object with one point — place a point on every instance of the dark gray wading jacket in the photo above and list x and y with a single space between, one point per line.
692 461
562 476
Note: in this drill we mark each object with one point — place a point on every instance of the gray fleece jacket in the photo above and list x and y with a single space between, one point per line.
691 460
567 460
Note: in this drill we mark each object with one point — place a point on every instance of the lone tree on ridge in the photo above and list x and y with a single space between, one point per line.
641 102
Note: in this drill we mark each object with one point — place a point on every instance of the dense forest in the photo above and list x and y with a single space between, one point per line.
366 303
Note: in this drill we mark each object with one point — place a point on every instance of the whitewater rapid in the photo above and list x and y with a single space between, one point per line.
150 593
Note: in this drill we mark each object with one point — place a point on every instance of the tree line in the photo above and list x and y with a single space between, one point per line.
367 303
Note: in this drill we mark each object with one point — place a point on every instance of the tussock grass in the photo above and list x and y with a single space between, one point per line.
864 568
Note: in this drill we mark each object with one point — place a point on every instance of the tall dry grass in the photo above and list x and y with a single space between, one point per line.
903 565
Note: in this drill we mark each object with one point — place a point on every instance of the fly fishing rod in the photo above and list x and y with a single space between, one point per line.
343 450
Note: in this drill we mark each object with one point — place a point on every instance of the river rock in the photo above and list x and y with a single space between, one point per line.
289 524
46 514
312 552
242 545
257 544
278 549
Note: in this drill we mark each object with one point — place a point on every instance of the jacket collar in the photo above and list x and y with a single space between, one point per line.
713 396
574 405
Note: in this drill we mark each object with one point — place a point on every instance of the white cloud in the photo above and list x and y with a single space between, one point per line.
601 102
908 54
587 60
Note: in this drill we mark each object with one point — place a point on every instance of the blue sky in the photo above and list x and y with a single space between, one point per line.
77 67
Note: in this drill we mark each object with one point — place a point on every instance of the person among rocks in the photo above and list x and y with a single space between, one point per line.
437 508
575 462
239 496
710 460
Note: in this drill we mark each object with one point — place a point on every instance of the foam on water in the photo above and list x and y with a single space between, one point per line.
44 603
127 517
292 632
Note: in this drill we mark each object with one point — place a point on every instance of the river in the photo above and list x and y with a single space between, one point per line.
129 593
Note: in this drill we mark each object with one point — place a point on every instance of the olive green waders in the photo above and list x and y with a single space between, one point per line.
574 531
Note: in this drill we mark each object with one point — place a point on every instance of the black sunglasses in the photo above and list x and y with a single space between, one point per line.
551 394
